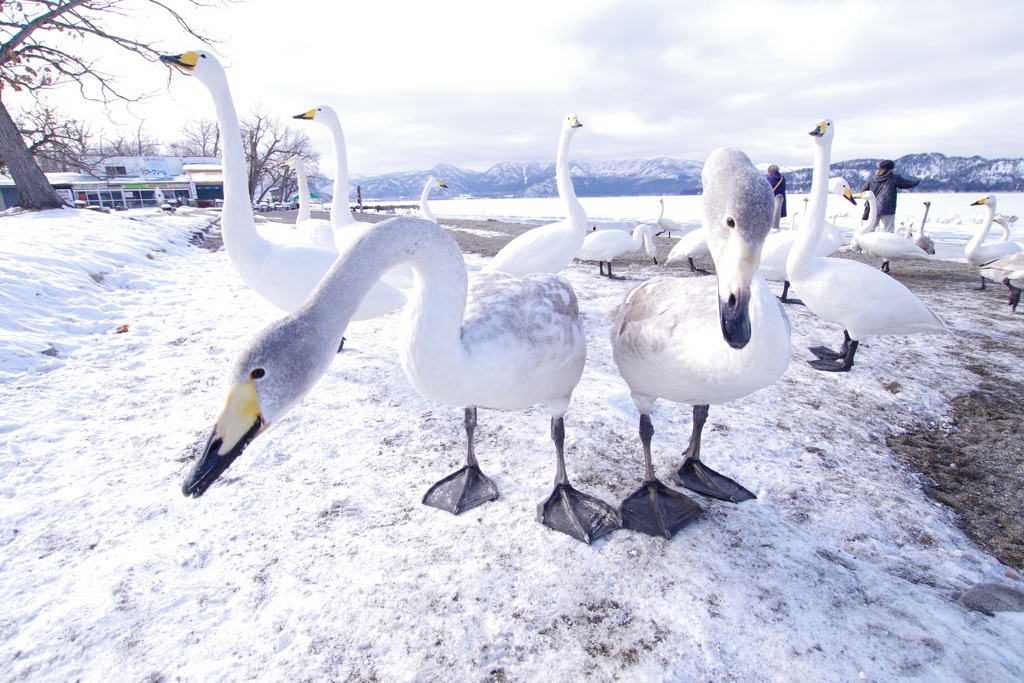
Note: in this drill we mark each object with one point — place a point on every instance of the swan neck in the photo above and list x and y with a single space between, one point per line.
872 223
979 237
427 213
814 219
340 211
303 183
563 180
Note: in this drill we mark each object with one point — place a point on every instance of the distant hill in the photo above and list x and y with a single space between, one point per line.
642 177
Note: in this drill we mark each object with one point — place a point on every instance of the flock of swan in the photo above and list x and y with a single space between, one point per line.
509 336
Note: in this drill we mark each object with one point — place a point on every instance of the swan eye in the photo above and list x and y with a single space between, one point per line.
257 373
731 222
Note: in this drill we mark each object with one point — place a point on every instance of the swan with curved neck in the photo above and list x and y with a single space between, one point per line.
700 341
855 295
284 275
977 252
491 341
431 183
777 245
887 246
667 224
923 241
549 248
604 245
315 231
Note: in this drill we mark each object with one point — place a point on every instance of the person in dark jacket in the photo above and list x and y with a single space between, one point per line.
778 183
884 185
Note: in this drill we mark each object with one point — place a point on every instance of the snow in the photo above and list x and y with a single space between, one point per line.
312 557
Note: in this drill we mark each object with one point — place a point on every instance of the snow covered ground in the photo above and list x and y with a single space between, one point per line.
313 559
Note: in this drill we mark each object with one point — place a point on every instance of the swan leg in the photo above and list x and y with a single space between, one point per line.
884 267
827 353
785 292
982 282
583 517
696 476
466 488
1014 294
654 508
842 364
695 269
600 265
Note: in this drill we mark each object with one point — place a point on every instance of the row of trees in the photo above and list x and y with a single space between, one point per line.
58 143
48 43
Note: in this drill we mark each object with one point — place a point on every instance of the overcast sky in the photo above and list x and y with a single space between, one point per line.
474 83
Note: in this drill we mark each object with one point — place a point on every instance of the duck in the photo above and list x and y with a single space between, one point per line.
315 231
283 274
862 299
700 341
549 248
778 244
425 211
667 224
487 341
692 245
887 246
979 254
604 245
923 241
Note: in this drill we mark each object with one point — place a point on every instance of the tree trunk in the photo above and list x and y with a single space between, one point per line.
34 189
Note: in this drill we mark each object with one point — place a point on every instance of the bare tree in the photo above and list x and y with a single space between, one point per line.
268 143
199 138
56 142
35 55
140 144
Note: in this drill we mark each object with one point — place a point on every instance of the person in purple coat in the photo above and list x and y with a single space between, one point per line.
778 183
884 185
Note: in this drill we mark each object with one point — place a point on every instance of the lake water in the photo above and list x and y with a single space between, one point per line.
952 221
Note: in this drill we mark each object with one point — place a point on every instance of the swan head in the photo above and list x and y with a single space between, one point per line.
571 122
737 209
840 187
986 201
322 114
272 374
198 63
823 131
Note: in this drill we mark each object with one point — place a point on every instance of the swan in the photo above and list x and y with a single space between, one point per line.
886 245
693 244
549 248
696 341
979 254
777 245
667 224
923 241
431 183
860 298
284 275
604 245
1009 267
315 231
492 341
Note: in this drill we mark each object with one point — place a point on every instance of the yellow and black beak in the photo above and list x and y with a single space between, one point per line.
979 202
441 183
238 424
819 130
849 196
185 61
306 116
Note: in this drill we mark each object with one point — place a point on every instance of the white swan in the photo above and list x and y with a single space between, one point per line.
549 248
860 298
604 245
493 341
923 241
431 183
315 231
777 245
667 224
699 341
887 246
1005 269
978 253
284 275
692 245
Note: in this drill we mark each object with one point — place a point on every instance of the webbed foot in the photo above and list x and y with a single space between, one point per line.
698 477
461 491
657 510
583 517
825 352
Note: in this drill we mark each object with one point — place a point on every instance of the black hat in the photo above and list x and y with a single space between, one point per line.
886 165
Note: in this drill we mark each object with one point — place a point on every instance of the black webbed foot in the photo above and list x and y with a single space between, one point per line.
583 517
698 477
657 510
461 491
825 352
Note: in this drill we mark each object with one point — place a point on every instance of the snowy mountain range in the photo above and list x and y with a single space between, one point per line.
642 177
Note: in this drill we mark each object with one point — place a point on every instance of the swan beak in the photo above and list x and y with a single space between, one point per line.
979 202
575 122
849 196
185 61
736 265
655 259
306 116
819 130
441 184
238 424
